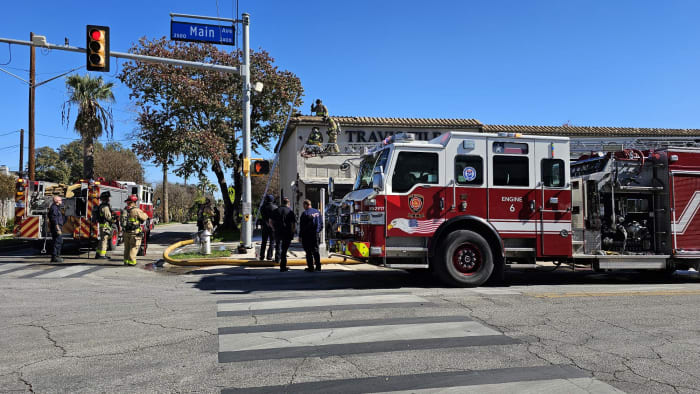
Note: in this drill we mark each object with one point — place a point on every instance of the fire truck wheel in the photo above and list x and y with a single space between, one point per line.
465 259
114 240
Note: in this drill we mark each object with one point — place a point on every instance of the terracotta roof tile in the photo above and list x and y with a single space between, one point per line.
591 131
397 122
570 131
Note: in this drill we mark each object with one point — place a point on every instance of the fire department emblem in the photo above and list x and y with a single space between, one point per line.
415 203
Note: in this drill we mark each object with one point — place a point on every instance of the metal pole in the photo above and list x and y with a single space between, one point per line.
21 152
246 228
322 207
133 56
32 76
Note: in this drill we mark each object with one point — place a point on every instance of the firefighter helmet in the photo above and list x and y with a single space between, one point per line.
132 198
105 195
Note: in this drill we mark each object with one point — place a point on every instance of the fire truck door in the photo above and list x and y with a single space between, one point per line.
466 191
553 199
512 200
416 201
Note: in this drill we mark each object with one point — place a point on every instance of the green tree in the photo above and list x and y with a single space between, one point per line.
50 167
196 115
116 162
94 118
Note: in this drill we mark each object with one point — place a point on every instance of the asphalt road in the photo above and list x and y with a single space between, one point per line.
108 328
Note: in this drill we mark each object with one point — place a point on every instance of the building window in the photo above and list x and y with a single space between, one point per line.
469 170
413 168
553 172
514 148
511 171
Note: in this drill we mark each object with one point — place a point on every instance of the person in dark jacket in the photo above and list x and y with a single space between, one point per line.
268 208
56 221
284 223
310 225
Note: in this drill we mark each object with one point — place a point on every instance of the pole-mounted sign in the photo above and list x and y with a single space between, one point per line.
200 32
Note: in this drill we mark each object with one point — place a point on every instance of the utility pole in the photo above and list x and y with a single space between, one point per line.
32 80
246 226
21 152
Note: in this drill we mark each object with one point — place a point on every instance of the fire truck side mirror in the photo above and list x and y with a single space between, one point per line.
378 179
158 202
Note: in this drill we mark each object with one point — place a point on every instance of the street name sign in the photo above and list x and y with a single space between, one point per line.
199 32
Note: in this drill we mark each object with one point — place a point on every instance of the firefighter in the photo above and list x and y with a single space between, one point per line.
319 108
310 225
56 221
132 218
332 133
104 220
314 141
206 216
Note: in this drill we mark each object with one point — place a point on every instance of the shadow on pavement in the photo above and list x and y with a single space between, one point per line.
241 280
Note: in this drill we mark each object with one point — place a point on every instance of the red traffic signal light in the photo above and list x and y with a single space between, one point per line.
259 167
97 48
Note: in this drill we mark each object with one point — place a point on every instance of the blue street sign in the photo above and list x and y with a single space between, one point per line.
198 32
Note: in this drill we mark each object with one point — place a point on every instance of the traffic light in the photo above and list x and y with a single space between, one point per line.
259 167
19 191
97 48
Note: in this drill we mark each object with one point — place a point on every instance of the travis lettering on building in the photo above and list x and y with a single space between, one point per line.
377 136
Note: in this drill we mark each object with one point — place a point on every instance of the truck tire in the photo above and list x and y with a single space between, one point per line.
113 240
144 245
464 259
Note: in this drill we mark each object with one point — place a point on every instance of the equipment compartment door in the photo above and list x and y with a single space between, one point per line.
553 199
685 200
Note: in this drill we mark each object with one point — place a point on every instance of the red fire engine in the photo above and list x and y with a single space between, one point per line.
33 199
467 204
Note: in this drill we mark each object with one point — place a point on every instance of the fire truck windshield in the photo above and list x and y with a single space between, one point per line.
367 167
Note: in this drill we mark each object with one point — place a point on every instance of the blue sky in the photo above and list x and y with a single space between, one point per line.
595 63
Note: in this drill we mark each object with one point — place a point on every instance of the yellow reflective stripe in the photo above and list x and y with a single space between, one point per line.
362 248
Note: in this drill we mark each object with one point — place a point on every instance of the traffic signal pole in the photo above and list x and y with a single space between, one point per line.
244 71
32 91
246 225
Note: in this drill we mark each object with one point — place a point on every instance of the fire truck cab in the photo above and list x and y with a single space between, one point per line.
465 203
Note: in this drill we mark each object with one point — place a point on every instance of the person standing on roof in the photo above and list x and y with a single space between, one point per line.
104 223
310 225
332 133
319 108
266 213
56 221
132 218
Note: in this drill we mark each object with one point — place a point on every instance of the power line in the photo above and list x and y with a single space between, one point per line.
9 132
10 146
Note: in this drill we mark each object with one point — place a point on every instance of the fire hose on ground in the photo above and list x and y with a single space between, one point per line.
204 261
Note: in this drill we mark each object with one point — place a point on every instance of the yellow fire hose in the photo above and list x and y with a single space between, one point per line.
244 262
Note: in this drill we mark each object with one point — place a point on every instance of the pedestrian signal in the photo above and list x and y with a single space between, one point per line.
259 167
97 48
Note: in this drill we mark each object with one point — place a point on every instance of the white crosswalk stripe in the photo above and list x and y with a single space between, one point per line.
42 271
295 337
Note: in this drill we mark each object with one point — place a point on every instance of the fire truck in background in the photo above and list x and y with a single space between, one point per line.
33 199
466 205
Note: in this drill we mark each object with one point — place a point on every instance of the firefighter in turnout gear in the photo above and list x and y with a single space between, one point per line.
132 218
207 214
320 109
104 223
314 142
332 133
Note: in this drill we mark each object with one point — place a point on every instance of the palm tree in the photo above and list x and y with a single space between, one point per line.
88 95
